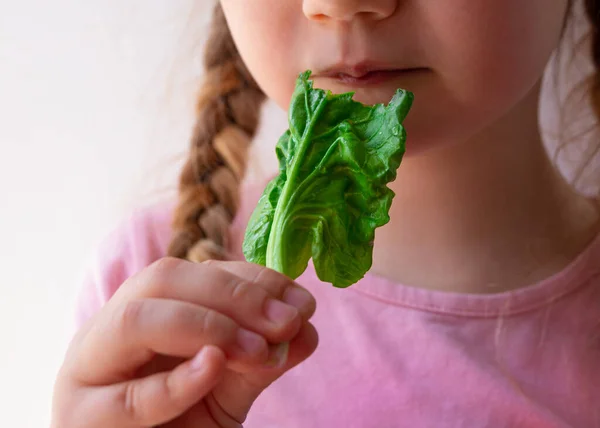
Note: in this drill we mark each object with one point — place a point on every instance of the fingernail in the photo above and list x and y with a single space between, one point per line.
279 312
278 355
297 297
250 342
198 362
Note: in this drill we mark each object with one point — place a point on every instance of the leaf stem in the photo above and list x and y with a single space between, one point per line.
275 248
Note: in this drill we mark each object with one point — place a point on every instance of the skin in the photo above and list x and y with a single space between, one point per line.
479 207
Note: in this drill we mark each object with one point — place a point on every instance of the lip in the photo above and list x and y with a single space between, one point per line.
365 74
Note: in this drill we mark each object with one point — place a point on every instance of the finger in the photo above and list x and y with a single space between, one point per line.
242 299
236 393
229 402
276 284
119 345
156 399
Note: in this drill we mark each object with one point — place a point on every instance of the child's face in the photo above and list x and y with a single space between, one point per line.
468 62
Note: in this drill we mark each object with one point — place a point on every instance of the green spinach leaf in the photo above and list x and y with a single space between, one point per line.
335 162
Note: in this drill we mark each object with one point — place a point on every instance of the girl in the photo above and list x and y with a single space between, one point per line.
482 308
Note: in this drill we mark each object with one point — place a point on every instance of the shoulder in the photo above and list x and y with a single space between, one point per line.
136 242
139 239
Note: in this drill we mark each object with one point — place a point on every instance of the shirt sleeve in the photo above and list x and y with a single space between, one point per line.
107 268
133 245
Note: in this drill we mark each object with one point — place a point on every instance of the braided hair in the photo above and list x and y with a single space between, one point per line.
228 112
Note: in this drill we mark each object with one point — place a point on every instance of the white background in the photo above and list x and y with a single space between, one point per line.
96 103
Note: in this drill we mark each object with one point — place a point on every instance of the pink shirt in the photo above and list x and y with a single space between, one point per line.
394 356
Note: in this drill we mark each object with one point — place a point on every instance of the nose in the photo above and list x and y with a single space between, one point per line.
347 10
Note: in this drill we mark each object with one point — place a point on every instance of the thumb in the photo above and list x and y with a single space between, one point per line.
159 398
237 391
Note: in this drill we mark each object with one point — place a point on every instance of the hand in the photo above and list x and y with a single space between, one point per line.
184 345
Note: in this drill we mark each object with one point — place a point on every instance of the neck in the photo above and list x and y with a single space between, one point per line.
485 215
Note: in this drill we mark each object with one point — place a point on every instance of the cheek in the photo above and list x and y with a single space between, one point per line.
501 45
266 33
488 55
